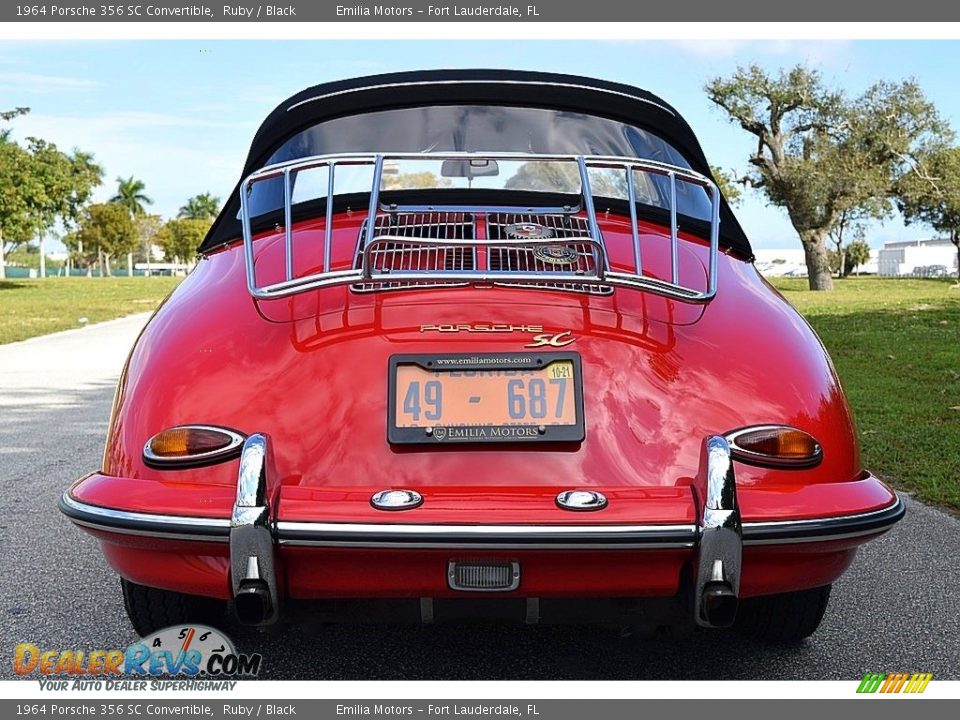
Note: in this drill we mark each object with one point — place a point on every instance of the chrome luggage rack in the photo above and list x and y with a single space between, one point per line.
591 269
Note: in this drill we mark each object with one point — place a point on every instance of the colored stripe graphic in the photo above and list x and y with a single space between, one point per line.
871 682
919 682
894 682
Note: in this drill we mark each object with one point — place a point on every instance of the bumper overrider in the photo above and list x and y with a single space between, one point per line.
254 534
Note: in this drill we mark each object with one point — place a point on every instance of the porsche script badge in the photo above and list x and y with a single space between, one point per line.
540 338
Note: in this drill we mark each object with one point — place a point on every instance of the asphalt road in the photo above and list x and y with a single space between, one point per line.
897 609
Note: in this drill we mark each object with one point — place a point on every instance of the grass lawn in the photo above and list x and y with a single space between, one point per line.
896 346
38 307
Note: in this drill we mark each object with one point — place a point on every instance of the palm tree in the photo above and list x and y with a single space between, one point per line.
130 194
200 207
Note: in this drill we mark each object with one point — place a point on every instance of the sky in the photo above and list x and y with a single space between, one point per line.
180 114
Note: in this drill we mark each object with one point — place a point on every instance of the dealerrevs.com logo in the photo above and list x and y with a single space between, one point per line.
203 656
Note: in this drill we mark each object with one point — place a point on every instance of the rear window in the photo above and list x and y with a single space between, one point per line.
479 128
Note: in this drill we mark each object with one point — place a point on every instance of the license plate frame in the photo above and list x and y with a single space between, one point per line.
485 434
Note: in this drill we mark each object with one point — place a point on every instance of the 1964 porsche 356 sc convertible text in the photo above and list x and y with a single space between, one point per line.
470 343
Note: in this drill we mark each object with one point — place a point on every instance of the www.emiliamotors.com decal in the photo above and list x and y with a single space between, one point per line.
189 657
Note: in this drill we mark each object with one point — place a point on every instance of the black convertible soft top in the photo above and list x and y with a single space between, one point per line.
477 87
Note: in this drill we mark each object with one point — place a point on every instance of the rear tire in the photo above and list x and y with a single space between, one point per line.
151 609
786 618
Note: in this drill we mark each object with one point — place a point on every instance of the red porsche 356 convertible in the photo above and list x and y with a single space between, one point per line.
480 343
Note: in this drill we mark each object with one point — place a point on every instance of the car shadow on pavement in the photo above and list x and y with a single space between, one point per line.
510 652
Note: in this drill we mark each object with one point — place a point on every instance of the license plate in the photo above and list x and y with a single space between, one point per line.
485 397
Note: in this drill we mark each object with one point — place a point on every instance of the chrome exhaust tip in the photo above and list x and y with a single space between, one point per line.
252 602
718 605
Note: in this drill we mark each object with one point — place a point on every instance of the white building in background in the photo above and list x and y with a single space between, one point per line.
936 257
790 262
780 262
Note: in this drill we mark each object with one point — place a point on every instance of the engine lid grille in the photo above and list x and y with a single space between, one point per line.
400 256
575 257
395 255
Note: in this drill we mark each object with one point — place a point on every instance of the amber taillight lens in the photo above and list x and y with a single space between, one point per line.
778 446
191 445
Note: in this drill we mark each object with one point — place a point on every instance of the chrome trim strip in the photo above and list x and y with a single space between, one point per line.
634 232
838 527
328 220
374 202
486 536
572 86
201 529
287 224
714 239
758 525
674 242
128 522
816 538
587 194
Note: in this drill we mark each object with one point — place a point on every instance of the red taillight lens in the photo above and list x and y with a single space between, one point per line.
775 446
191 445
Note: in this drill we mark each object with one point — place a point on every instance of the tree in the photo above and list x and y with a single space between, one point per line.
40 185
931 194
857 253
727 184
180 238
82 256
7 116
148 227
131 196
86 175
108 229
18 185
564 177
14 180
850 224
422 180
200 207
819 153
65 185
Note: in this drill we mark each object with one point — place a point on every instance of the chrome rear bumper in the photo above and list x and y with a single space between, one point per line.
254 535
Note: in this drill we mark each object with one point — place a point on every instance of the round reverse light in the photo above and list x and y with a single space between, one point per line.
779 446
191 445
396 499
581 500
